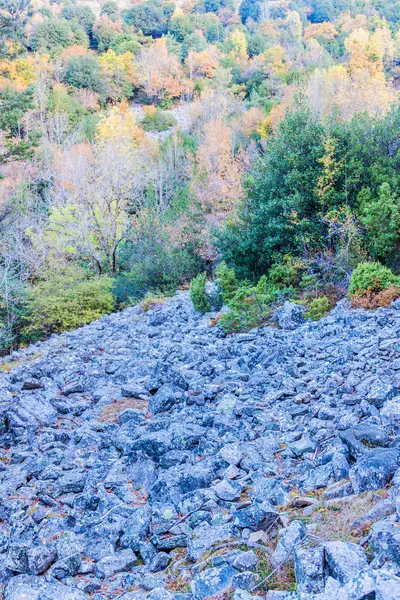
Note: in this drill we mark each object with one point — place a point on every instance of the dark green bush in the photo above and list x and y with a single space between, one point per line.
226 281
372 277
198 294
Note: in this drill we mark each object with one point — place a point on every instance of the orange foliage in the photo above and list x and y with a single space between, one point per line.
372 301
316 30
203 64
159 72
218 182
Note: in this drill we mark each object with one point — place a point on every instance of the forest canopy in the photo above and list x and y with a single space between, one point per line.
145 144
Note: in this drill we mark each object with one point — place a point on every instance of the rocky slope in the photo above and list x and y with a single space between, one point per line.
148 455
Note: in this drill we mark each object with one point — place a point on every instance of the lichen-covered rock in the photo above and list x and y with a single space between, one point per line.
375 470
344 560
211 582
29 587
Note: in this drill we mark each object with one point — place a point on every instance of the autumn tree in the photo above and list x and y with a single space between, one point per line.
12 20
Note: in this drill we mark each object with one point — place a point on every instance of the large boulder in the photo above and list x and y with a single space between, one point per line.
375 470
290 316
344 560
29 587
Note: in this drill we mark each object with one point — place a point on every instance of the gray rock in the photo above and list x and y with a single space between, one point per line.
245 561
344 560
206 536
116 563
387 586
375 470
29 587
309 565
228 490
289 538
290 316
385 539
163 400
211 582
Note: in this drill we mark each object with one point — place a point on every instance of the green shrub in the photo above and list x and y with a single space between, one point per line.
318 308
65 300
284 273
226 281
198 294
250 306
156 120
371 277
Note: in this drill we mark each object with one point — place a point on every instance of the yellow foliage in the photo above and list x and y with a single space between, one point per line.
275 61
23 71
239 45
119 126
350 91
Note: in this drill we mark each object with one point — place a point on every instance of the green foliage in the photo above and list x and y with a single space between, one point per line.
83 72
53 35
371 277
281 207
318 308
226 281
250 9
81 14
14 104
151 17
153 263
12 21
110 8
285 273
64 300
311 171
157 121
213 6
250 306
198 294
381 218
323 10
125 42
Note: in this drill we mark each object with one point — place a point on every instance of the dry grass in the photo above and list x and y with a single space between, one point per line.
283 580
151 301
216 320
334 520
7 367
372 300
111 412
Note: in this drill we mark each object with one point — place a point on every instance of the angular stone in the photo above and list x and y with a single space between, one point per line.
210 582
385 539
29 587
256 516
245 561
309 569
289 538
206 536
163 400
123 560
344 560
228 490
375 470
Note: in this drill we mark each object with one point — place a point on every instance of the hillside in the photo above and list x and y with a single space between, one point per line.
145 143
149 455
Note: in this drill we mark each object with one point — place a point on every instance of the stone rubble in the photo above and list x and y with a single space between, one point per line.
150 456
